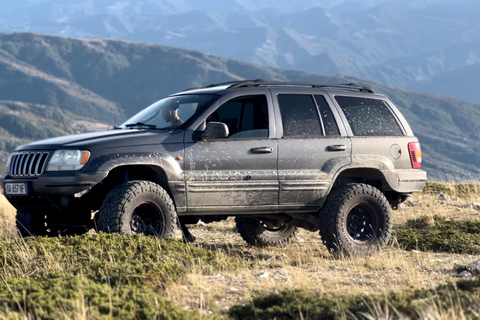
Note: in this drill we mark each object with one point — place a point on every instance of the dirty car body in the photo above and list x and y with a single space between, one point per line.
269 153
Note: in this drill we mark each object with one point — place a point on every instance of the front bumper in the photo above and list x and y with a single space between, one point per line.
67 183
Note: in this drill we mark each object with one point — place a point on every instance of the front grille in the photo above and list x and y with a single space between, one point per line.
28 164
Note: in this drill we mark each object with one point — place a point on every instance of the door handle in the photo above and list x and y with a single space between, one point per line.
337 147
261 150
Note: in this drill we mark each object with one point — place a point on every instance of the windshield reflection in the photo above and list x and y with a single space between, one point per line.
168 113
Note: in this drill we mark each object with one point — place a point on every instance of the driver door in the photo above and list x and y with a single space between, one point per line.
239 171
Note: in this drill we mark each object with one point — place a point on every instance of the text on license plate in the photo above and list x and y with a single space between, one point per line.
16 188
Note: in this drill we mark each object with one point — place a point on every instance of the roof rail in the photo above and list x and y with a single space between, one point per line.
234 83
260 82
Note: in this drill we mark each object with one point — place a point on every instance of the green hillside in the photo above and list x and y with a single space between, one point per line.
60 84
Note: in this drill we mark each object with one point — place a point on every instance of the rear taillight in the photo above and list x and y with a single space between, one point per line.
415 154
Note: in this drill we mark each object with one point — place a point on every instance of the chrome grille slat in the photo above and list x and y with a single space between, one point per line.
28 164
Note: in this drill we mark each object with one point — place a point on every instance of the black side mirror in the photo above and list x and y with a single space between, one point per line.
215 130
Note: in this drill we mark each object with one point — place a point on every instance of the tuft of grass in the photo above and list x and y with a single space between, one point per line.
459 298
106 276
115 258
439 234
68 296
7 217
460 190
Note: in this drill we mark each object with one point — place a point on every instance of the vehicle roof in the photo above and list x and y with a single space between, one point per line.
333 87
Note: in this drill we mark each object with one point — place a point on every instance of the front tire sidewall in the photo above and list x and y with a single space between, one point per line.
124 201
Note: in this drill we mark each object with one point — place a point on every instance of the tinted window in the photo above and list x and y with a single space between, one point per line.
299 115
369 117
245 117
329 123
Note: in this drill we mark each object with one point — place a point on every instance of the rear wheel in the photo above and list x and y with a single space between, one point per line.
356 220
138 207
261 234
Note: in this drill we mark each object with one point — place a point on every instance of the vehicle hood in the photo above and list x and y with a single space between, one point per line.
106 139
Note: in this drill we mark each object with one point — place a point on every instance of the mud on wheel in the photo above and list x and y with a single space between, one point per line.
138 207
261 234
356 220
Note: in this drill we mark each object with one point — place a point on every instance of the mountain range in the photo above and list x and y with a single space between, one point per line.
429 46
52 86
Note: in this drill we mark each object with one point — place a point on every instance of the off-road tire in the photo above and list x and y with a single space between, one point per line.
127 202
254 233
356 220
30 224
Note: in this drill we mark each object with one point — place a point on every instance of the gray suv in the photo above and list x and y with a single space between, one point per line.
276 155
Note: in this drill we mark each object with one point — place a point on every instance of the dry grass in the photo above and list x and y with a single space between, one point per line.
7 218
307 265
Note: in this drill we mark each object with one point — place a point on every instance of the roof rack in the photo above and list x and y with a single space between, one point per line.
260 82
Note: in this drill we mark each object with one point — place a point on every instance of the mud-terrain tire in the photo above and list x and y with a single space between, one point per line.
30 224
256 233
138 207
356 220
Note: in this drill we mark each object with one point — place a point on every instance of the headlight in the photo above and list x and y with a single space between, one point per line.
67 160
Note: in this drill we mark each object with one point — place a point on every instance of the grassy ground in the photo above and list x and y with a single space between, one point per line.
109 276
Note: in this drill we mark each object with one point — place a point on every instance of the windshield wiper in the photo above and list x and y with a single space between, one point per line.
150 126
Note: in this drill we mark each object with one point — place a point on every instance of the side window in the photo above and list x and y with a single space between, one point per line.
328 120
245 117
369 117
299 115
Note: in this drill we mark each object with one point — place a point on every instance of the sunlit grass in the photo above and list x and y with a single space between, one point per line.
111 276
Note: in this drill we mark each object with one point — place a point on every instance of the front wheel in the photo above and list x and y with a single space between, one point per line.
138 207
356 220
261 234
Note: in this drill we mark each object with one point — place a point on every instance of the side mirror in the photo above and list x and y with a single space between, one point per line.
215 130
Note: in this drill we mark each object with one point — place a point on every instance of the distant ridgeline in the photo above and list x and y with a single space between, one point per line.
52 86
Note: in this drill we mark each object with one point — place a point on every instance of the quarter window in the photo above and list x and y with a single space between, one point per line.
328 120
369 117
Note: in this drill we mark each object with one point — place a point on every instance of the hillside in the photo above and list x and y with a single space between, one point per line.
399 42
47 84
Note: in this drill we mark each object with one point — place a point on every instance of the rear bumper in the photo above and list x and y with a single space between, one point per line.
405 180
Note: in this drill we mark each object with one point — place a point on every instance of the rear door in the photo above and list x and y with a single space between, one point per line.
312 147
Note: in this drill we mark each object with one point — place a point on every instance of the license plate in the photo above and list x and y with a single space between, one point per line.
16 188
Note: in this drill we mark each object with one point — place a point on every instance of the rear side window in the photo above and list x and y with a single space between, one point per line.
299 115
369 117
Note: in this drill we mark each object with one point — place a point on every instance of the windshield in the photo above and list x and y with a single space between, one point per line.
168 113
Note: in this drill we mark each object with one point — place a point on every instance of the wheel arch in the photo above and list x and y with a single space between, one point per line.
372 176
130 172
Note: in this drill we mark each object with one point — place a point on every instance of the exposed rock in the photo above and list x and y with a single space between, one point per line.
263 275
443 197
473 205
469 270
465 274
281 273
